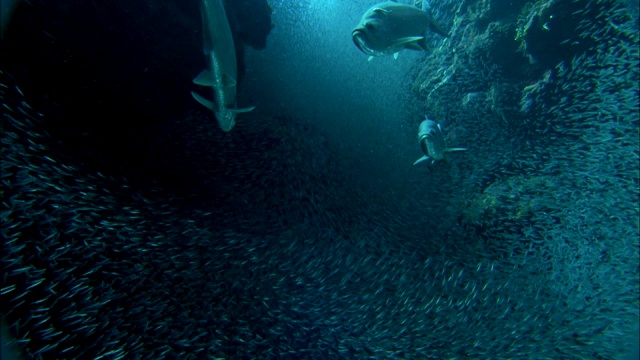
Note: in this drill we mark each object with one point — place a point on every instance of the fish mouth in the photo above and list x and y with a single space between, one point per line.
226 119
359 38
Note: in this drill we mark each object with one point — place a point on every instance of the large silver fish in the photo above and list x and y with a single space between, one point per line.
389 27
221 73
432 141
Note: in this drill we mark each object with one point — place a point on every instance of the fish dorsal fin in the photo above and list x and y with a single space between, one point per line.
407 40
421 4
205 78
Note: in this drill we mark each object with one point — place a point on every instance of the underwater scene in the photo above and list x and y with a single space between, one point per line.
319 179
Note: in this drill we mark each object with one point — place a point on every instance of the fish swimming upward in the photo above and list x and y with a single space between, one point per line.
389 27
432 141
221 74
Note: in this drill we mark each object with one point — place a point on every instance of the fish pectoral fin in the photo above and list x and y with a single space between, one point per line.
407 40
395 56
370 58
455 149
205 78
424 158
228 81
242 110
424 44
204 102
418 46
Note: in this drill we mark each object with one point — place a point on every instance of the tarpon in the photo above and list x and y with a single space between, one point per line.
389 27
221 73
432 141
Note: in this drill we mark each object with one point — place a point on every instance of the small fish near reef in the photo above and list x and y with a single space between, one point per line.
389 27
432 142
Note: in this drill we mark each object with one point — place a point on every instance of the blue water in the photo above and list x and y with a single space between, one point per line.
133 227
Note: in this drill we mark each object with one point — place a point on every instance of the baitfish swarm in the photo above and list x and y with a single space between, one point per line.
537 257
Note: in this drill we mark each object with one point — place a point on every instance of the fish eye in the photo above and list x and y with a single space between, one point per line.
370 26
